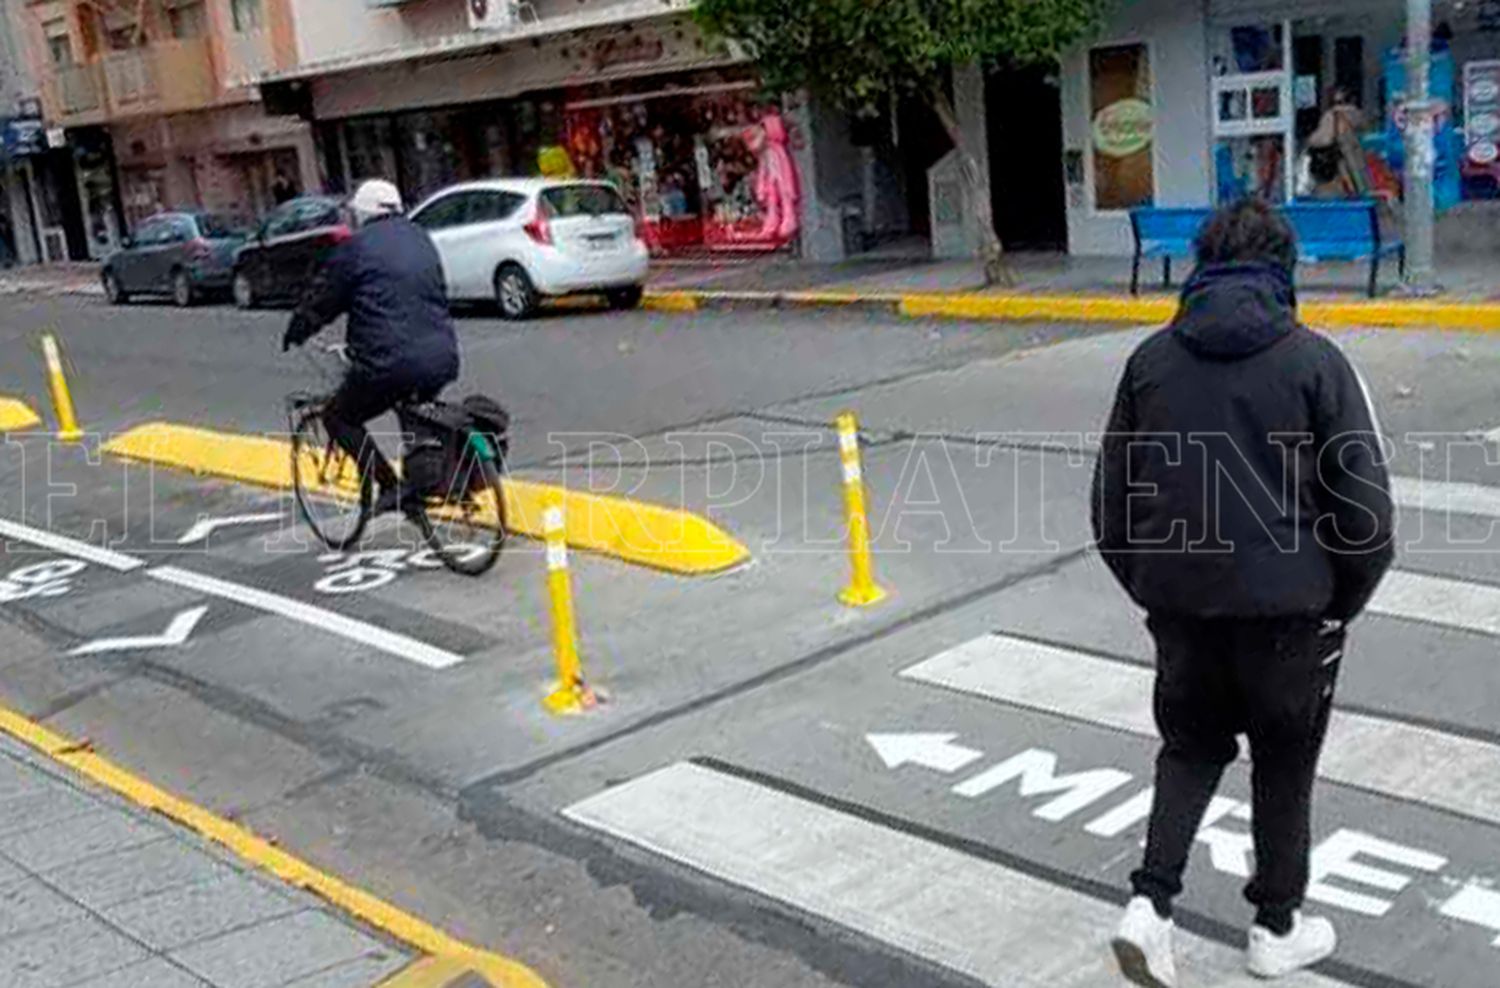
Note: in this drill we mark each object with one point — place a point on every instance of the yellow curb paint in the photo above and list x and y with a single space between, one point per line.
1479 317
17 416
671 301
651 535
260 853
429 972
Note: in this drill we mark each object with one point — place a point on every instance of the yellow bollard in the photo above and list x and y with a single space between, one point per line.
862 590
570 695
62 401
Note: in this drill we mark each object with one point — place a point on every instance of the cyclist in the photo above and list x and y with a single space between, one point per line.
388 279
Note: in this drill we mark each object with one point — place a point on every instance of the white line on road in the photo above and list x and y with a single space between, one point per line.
389 642
204 527
69 547
1438 600
176 633
1373 753
1445 496
962 912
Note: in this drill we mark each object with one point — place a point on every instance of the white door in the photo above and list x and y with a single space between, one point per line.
443 219
473 249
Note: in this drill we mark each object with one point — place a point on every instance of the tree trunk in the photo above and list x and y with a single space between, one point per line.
991 252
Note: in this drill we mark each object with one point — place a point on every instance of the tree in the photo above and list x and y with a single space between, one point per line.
859 53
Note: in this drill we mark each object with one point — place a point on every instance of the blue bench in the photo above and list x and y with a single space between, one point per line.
1339 230
1342 230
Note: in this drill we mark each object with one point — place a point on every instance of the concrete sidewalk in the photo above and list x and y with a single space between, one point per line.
96 893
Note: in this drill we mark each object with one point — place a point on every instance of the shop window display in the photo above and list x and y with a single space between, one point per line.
711 169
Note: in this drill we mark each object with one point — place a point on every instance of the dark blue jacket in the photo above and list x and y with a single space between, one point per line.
1241 474
388 278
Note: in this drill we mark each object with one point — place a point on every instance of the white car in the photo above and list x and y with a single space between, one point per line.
518 240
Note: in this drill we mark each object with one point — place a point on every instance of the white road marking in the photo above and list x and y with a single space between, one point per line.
1439 600
178 632
934 751
1446 497
389 642
1373 753
69 547
949 908
1476 904
205 527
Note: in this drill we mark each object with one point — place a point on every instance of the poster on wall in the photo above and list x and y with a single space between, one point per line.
1446 142
711 169
1481 159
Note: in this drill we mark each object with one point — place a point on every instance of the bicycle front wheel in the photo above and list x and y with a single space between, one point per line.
333 495
467 530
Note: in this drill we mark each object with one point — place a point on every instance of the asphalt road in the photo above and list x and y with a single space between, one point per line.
941 790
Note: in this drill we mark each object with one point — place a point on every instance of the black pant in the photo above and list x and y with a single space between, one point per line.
1272 680
358 400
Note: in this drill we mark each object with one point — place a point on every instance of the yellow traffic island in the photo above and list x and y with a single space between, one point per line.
17 416
672 540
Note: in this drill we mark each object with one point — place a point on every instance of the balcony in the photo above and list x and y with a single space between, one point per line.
166 77
74 95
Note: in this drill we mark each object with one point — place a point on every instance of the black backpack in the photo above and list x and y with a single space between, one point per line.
434 461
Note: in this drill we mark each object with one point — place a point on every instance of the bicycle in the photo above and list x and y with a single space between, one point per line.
335 497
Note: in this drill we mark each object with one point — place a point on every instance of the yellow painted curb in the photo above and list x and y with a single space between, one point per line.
1480 317
260 853
1080 308
671 301
668 539
17 416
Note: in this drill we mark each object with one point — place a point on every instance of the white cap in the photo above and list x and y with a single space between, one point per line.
374 198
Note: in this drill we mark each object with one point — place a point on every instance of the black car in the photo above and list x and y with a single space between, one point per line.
182 256
275 266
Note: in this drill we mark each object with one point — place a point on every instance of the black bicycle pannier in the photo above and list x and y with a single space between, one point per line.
433 452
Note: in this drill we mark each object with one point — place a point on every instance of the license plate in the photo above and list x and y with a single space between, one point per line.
601 243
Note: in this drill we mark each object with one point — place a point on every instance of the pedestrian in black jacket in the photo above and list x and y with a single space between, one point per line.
388 279
1241 498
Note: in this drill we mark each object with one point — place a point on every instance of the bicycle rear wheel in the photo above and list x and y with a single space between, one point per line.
467 531
333 495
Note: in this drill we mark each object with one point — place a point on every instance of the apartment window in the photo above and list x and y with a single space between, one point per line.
1120 87
247 15
59 43
188 19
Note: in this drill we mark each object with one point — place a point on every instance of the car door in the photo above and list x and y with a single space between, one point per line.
167 253
255 259
443 218
128 267
476 246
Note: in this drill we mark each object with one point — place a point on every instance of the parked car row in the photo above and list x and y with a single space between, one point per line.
514 242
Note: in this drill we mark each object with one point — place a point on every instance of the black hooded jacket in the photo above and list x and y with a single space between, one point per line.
1241 475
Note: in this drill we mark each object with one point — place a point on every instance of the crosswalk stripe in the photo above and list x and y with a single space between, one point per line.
961 912
1460 604
1384 756
1446 496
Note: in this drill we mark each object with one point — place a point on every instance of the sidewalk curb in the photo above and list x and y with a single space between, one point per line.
1481 317
259 853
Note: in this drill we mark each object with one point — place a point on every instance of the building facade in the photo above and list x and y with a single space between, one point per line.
1198 103
150 105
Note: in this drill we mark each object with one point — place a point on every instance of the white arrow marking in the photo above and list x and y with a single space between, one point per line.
934 751
207 526
177 632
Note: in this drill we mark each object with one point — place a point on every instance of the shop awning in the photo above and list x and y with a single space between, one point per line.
478 41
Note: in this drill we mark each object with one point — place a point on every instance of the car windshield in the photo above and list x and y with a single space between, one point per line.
217 226
583 200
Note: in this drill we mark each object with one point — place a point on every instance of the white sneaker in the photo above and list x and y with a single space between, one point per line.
1311 940
1143 946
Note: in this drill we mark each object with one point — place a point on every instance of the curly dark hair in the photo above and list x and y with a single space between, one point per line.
1248 231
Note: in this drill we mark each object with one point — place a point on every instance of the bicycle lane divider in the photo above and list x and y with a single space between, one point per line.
390 642
17 416
655 536
447 957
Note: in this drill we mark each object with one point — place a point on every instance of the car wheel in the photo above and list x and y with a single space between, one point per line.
514 292
624 298
244 291
113 292
183 295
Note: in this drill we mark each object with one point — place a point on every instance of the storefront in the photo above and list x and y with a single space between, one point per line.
1275 99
